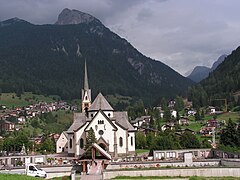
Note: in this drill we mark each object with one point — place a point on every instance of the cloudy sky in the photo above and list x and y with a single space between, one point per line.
180 33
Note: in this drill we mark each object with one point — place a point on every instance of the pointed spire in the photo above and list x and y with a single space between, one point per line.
86 77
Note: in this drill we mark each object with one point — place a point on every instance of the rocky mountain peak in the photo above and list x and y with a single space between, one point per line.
11 22
73 16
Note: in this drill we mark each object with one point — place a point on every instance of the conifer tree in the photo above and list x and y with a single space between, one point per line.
91 138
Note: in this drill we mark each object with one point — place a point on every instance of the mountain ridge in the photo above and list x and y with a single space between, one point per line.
73 16
201 72
49 59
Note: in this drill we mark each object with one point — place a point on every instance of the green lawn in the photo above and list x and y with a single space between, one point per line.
225 116
139 151
195 126
11 100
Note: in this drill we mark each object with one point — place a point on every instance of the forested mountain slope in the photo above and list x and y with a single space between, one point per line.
49 59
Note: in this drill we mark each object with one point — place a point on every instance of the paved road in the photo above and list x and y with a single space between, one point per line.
54 171
90 177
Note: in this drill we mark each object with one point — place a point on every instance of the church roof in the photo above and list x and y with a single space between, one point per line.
109 120
79 120
122 120
100 103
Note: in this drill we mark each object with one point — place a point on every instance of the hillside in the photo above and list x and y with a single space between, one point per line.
49 60
222 83
225 80
201 72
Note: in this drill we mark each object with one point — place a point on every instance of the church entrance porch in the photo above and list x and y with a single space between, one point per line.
95 161
103 146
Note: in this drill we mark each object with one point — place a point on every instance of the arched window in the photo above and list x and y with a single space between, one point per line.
131 141
70 143
81 143
120 141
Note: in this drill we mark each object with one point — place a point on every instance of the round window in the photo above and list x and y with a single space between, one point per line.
100 132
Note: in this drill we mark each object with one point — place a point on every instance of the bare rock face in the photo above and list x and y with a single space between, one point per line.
68 16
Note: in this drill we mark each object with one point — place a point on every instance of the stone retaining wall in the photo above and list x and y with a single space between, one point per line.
156 164
207 172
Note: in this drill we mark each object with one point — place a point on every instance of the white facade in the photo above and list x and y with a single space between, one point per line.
112 129
62 143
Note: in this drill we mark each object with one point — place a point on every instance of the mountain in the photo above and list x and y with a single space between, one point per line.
225 79
68 16
49 59
219 61
201 72
222 83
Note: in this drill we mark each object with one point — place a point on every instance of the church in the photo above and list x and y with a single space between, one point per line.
113 132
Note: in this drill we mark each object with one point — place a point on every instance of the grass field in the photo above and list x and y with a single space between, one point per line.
235 116
140 151
195 126
11 100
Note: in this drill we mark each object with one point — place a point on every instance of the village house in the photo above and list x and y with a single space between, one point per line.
183 121
211 110
7 126
167 126
213 123
171 103
191 112
140 121
207 131
113 132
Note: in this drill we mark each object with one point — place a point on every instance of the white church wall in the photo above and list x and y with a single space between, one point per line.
100 123
71 148
131 141
78 135
61 144
121 133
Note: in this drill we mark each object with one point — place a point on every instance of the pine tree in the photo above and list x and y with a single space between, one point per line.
189 140
197 116
167 114
229 135
202 114
91 138
140 140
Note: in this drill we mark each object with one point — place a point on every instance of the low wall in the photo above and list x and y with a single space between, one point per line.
206 172
154 164
51 175
230 162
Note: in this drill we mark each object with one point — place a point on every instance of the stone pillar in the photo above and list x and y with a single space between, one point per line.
188 158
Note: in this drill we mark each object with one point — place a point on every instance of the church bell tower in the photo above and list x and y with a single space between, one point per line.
86 93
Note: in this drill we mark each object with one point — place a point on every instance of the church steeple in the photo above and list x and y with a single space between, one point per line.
86 92
86 78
